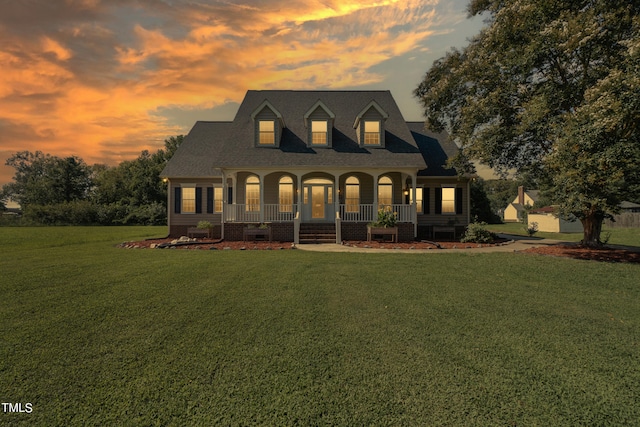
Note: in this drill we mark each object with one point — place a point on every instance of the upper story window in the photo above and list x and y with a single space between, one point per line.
267 132
371 133
319 121
319 132
268 125
370 124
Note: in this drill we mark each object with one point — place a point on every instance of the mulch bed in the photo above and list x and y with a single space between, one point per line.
605 254
209 244
575 251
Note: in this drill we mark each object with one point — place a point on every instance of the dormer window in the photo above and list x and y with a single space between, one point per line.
319 132
371 133
319 123
370 125
267 132
268 125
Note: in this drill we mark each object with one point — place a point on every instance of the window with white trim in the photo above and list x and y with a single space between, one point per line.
252 194
319 129
385 192
267 132
188 199
448 200
352 194
419 198
285 196
217 199
371 133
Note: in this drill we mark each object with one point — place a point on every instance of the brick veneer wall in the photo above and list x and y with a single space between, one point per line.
181 230
358 231
280 231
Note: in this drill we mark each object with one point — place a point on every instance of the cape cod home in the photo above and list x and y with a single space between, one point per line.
315 163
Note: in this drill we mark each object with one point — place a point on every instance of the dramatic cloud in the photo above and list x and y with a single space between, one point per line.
100 79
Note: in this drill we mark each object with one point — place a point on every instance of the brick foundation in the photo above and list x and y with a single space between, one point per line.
280 231
358 231
176 231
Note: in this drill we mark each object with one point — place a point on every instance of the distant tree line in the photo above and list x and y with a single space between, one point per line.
55 190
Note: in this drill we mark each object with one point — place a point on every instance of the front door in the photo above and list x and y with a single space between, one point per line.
318 202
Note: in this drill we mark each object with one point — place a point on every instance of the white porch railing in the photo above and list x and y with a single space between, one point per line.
368 213
272 213
348 213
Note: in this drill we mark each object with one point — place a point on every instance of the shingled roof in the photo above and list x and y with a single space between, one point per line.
436 149
211 145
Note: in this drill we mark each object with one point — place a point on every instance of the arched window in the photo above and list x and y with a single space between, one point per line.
385 192
352 194
252 194
285 192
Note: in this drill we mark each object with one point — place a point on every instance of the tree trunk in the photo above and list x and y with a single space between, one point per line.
592 227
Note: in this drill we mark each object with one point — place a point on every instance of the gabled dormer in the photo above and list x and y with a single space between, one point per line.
370 126
318 121
267 125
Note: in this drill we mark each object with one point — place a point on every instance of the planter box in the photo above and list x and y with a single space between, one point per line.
382 231
194 231
265 233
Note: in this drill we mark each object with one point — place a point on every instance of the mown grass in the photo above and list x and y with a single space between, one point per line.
616 236
97 335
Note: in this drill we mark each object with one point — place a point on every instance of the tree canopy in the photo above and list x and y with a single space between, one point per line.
52 190
549 88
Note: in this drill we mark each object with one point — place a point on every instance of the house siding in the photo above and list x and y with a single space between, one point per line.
179 222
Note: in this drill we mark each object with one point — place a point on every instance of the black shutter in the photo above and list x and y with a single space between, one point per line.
209 200
198 200
426 207
177 202
438 200
230 195
459 200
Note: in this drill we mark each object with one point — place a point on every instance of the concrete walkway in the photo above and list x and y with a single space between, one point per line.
516 243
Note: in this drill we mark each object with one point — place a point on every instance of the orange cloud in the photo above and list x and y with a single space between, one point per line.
90 82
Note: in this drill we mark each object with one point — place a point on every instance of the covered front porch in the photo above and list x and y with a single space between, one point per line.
299 197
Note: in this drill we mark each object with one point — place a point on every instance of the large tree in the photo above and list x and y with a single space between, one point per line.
42 179
550 88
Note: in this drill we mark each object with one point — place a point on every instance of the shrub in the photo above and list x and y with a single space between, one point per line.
477 233
531 229
386 218
204 225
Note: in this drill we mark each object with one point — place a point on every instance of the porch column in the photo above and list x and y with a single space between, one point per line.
234 194
336 195
225 197
261 176
300 194
375 195
414 209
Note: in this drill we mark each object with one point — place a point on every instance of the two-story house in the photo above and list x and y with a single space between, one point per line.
302 159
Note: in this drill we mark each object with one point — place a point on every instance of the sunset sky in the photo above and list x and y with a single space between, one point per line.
106 79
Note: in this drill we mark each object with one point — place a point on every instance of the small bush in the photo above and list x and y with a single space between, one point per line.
477 233
531 229
204 225
386 218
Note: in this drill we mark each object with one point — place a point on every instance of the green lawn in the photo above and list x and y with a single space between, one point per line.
617 236
97 335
